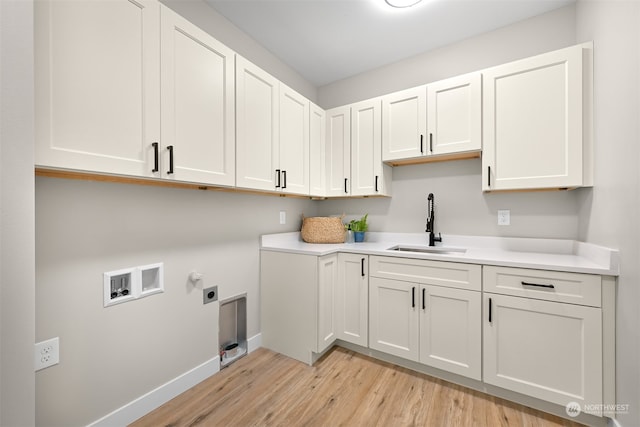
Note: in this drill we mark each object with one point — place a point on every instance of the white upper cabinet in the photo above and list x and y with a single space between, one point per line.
97 85
368 174
293 160
441 118
257 139
317 171
404 116
338 151
533 122
454 115
198 125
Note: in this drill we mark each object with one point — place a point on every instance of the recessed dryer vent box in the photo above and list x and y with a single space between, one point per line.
119 286
151 279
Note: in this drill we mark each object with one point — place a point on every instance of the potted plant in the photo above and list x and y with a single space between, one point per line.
359 226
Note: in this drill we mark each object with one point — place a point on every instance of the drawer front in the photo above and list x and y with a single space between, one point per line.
449 274
573 288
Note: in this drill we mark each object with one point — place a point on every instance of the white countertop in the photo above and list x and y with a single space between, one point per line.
542 254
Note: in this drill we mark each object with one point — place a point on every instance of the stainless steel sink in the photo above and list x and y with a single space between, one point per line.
427 249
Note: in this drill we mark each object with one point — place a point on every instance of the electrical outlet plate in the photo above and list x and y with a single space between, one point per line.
210 295
504 217
283 217
47 353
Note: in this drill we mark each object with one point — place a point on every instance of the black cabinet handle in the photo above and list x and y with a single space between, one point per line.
413 297
362 266
489 310
424 298
431 142
284 179
155 157
277 178
170 148
345 186
537 285
376 183
421 144
489 176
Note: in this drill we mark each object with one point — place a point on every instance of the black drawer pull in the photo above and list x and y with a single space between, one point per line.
155 157
537 285
345 186
170 148
489 310
424 298
413 297
277 178
377 184
284 179
421 144
362 266
431 142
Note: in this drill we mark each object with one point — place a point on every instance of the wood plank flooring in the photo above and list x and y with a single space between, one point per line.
342 389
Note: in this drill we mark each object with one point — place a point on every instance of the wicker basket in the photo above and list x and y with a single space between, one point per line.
322 230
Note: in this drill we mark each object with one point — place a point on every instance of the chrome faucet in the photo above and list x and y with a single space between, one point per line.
431 219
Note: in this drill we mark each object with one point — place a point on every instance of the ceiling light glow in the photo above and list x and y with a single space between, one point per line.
402 3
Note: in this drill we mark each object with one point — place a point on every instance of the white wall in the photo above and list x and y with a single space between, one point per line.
609 214
540 34
110 356
17 277
222 29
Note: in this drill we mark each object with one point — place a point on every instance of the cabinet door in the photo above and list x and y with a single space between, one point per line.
197 104
352 298
404 122
338 151
97 85
393 317
450 330
548 350
327 286
454 114
366 151
294 141
256 127
317 153
533 122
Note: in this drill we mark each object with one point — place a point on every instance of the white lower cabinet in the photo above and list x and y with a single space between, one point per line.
352 299
450 331
425 321
297 293
540 347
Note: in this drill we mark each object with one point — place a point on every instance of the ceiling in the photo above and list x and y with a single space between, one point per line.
328 40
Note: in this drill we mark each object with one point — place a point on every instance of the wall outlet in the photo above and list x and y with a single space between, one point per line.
283 217
210 295
504 217
47 353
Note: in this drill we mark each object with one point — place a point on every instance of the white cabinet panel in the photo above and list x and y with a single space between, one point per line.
454 114
404 124
97 85
327 288
257 139
393 317
197 104
450 330
533 123
338 151
293 159
352 298
548 350
317 172
369 176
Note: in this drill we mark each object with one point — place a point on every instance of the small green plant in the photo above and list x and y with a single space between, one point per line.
359 224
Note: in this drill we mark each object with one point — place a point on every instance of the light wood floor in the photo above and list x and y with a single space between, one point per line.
342 389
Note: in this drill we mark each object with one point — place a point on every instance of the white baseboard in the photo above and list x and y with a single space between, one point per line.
254 343
161 395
